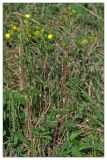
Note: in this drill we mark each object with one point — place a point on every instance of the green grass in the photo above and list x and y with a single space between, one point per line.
53 67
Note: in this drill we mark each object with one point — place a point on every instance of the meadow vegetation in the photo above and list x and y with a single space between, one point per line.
53 80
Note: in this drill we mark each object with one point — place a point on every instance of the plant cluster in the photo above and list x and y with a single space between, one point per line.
53 80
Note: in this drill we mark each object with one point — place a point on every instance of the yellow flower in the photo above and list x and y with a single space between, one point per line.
7 36
27 16
84 42
14 27
50 36
37 33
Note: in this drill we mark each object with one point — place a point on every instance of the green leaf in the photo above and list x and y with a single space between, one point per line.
84 146
79 9
76 142
15 139
39 79
4 99
4 132
47 137
75 135
20 98
42 128
75 152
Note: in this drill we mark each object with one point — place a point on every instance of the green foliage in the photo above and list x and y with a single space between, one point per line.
74 135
